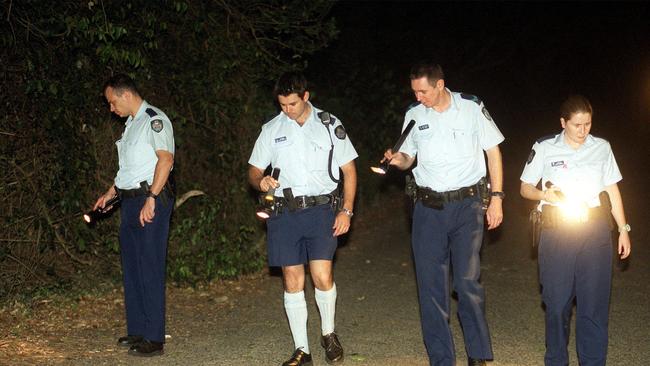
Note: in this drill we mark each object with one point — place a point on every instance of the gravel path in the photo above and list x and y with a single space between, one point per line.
243 323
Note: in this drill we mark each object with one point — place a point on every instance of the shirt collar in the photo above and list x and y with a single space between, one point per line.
559 140
313 116
454 101
142 110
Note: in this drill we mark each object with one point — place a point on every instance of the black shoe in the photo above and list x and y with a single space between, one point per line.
129 340
146 348
473 362
333 349
298 358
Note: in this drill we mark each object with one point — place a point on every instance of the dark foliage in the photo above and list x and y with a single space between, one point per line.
208 64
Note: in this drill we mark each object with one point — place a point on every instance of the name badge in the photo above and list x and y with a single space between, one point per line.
280 139
423 127
557 163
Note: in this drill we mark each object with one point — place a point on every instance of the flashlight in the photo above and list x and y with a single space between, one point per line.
94 215
572 209
558 193
270 194
383 167
267 201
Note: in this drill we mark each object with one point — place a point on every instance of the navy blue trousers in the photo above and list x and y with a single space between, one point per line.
443 238
575 262
144 253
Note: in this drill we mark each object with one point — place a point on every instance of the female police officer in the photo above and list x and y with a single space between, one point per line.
575 256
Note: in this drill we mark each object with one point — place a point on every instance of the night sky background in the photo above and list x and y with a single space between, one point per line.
521 59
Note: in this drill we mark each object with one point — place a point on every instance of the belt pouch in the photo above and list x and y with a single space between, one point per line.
288 196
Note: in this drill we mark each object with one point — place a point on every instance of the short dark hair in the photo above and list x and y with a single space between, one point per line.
430 69
289 83
575 103
120 83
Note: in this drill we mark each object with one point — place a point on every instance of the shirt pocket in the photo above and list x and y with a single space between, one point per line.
463 144
429 146
284 153
138 154
318 155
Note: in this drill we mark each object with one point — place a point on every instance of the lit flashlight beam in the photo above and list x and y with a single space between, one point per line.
96 214
385 164
572 209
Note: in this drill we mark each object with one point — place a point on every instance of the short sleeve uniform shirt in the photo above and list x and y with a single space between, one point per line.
449 145
148 131
580 173
302 153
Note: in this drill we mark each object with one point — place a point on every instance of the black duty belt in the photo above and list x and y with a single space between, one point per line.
437 200
141 191
552 216
136 192
306 201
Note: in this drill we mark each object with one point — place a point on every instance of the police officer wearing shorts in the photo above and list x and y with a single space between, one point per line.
451 134
578 198
146 157
309 147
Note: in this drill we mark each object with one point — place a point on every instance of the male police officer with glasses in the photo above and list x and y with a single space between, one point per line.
309 146
146 157
452 132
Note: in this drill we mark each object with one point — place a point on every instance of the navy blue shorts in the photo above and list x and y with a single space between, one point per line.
298 237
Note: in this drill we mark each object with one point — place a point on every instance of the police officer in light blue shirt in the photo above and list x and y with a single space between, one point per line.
452 133
575 247
146 158
309 147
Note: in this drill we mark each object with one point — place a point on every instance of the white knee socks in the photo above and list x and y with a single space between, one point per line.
296 308
326 301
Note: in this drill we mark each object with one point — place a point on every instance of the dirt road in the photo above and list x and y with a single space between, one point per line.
243 323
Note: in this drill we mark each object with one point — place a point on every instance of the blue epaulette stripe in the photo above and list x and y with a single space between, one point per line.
151 112
544 138
413 105
471 97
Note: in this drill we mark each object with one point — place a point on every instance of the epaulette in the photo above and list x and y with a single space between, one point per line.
413 105
151 112
471 97
544 138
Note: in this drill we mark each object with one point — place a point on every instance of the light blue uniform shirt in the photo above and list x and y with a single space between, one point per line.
449 145
150 130
580 174
302 153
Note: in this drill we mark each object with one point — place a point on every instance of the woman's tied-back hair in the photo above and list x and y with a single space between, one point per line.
575 104
289 83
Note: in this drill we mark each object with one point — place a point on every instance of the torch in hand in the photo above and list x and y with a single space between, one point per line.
266 206
558 193
385 163
99 212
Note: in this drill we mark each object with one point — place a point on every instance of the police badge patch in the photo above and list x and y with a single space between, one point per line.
340 132
486 114
531 157
157 125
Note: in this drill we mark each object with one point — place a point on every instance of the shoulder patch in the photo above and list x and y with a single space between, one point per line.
340 132
412 105
157 125
531 156
471 97
151 112
544 138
